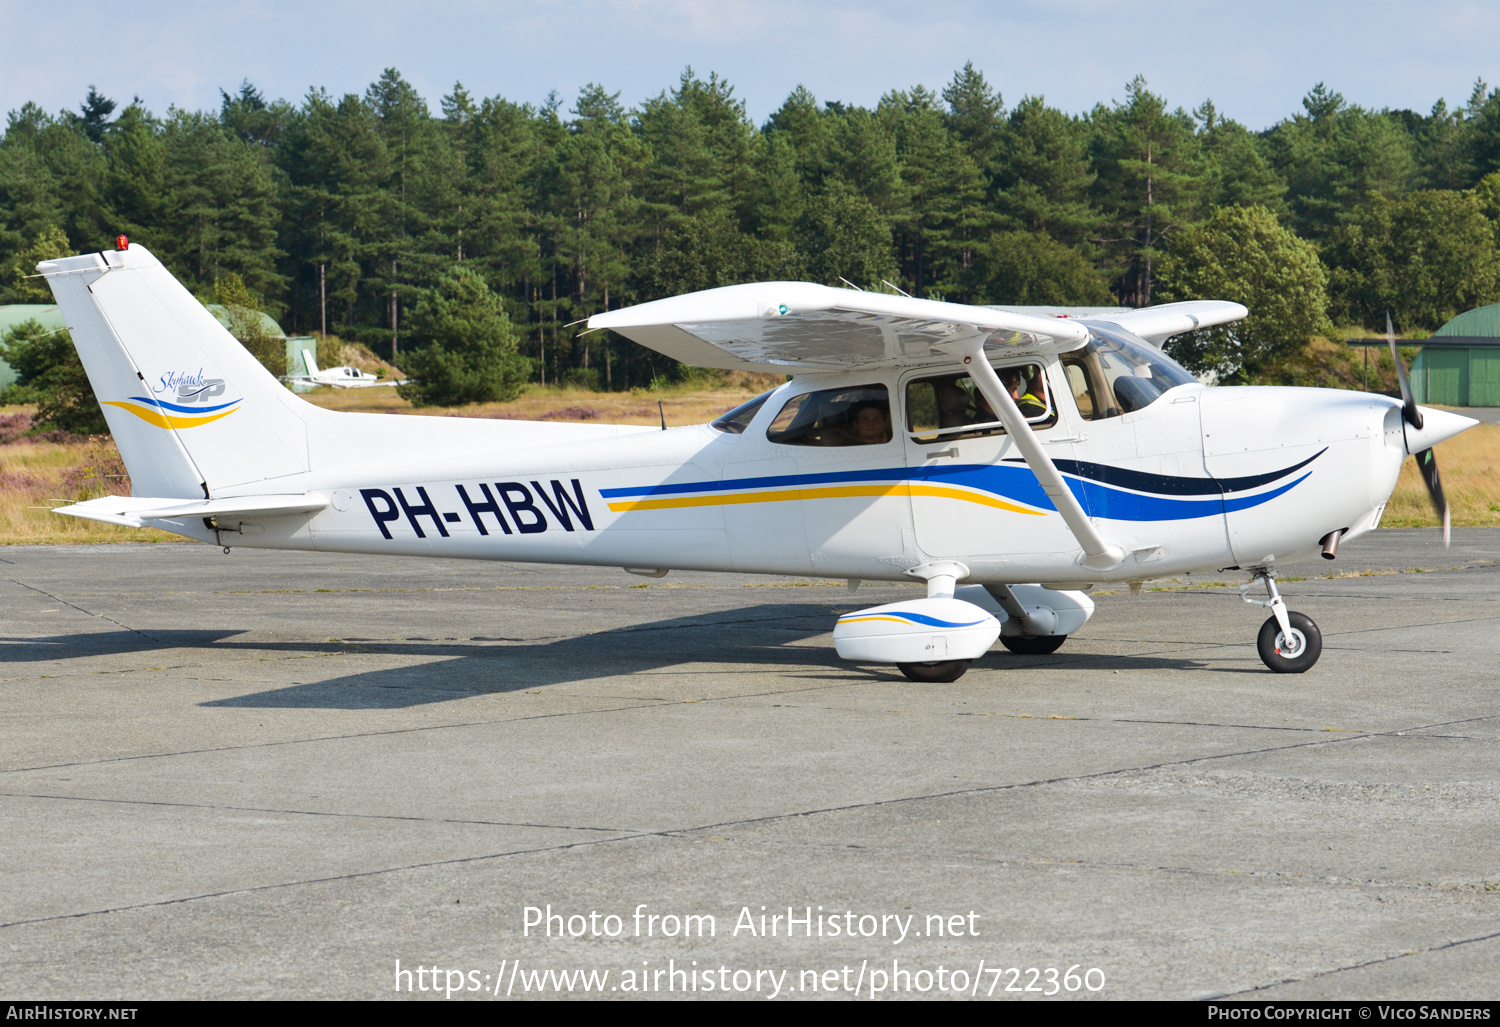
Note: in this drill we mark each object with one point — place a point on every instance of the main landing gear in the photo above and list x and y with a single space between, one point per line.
1033 645
939 673
1289 643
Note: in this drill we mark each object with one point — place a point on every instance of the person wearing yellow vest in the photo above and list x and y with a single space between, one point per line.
1027 402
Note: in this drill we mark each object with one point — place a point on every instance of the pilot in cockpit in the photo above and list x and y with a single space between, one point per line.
1020 390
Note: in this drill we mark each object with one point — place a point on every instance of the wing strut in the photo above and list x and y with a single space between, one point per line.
1099 554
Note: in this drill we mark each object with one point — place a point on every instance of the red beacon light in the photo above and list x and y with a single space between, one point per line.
122 243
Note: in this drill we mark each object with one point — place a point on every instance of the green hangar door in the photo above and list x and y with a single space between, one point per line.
1484 377
1447 376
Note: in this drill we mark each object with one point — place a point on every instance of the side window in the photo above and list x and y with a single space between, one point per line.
951 406
1078 385
1085 380
856 416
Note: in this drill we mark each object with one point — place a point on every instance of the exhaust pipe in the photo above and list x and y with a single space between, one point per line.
1331 543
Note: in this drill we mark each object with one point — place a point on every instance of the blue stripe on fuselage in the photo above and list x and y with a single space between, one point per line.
1010 482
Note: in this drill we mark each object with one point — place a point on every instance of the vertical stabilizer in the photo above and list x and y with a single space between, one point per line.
190 408
310 363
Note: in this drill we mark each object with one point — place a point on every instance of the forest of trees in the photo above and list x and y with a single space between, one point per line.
343 214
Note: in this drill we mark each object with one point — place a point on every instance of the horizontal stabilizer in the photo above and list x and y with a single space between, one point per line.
135 511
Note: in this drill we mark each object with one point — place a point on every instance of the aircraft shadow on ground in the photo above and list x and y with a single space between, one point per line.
746 638
105 643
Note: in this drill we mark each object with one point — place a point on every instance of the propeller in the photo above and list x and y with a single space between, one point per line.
1426 459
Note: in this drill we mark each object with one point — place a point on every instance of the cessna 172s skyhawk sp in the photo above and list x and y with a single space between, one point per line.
1028 455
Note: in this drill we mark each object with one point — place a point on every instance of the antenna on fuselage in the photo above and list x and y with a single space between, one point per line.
850 284
896 287
663 415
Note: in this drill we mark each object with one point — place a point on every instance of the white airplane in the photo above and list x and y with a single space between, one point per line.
344 377
1030 458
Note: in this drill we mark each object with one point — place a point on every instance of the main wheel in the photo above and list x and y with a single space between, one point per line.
1033 645
934 673
1290 655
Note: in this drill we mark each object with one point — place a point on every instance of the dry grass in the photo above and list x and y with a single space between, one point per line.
682 404
1470 467
36 476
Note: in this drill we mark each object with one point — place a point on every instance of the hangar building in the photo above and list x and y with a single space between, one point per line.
1460 365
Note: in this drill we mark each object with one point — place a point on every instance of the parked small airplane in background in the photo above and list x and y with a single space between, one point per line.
344 377
1031 456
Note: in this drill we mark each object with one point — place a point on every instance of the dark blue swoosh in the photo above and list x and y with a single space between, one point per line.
1171 485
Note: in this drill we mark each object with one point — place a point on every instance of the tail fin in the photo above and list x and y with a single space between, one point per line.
191 410
310 362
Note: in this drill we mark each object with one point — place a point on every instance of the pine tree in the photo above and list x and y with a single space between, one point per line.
941 210
338 166
1044 175
1237 172
1336 158
133 186
220 207
468 348
94 115
976 117
1150 182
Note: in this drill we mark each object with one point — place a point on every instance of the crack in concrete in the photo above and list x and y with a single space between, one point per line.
87 613
1358 966
313 812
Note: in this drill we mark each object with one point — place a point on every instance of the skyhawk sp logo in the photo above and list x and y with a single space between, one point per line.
182 399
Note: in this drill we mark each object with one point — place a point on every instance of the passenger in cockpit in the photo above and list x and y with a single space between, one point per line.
872 423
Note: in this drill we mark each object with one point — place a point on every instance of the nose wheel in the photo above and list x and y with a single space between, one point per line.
1289 643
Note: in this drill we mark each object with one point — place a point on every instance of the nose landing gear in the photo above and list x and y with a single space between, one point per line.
1289 643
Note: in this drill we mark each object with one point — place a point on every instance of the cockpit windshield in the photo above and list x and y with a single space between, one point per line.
1115 373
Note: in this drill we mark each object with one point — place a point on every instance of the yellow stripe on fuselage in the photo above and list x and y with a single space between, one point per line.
900 488
165 420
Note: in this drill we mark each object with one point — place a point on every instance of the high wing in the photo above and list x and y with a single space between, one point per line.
1154 324
797 326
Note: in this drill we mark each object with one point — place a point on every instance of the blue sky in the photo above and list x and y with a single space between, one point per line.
1254 60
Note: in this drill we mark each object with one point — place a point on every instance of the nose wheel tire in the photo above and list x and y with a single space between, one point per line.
1290 655
939 673
1033 645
